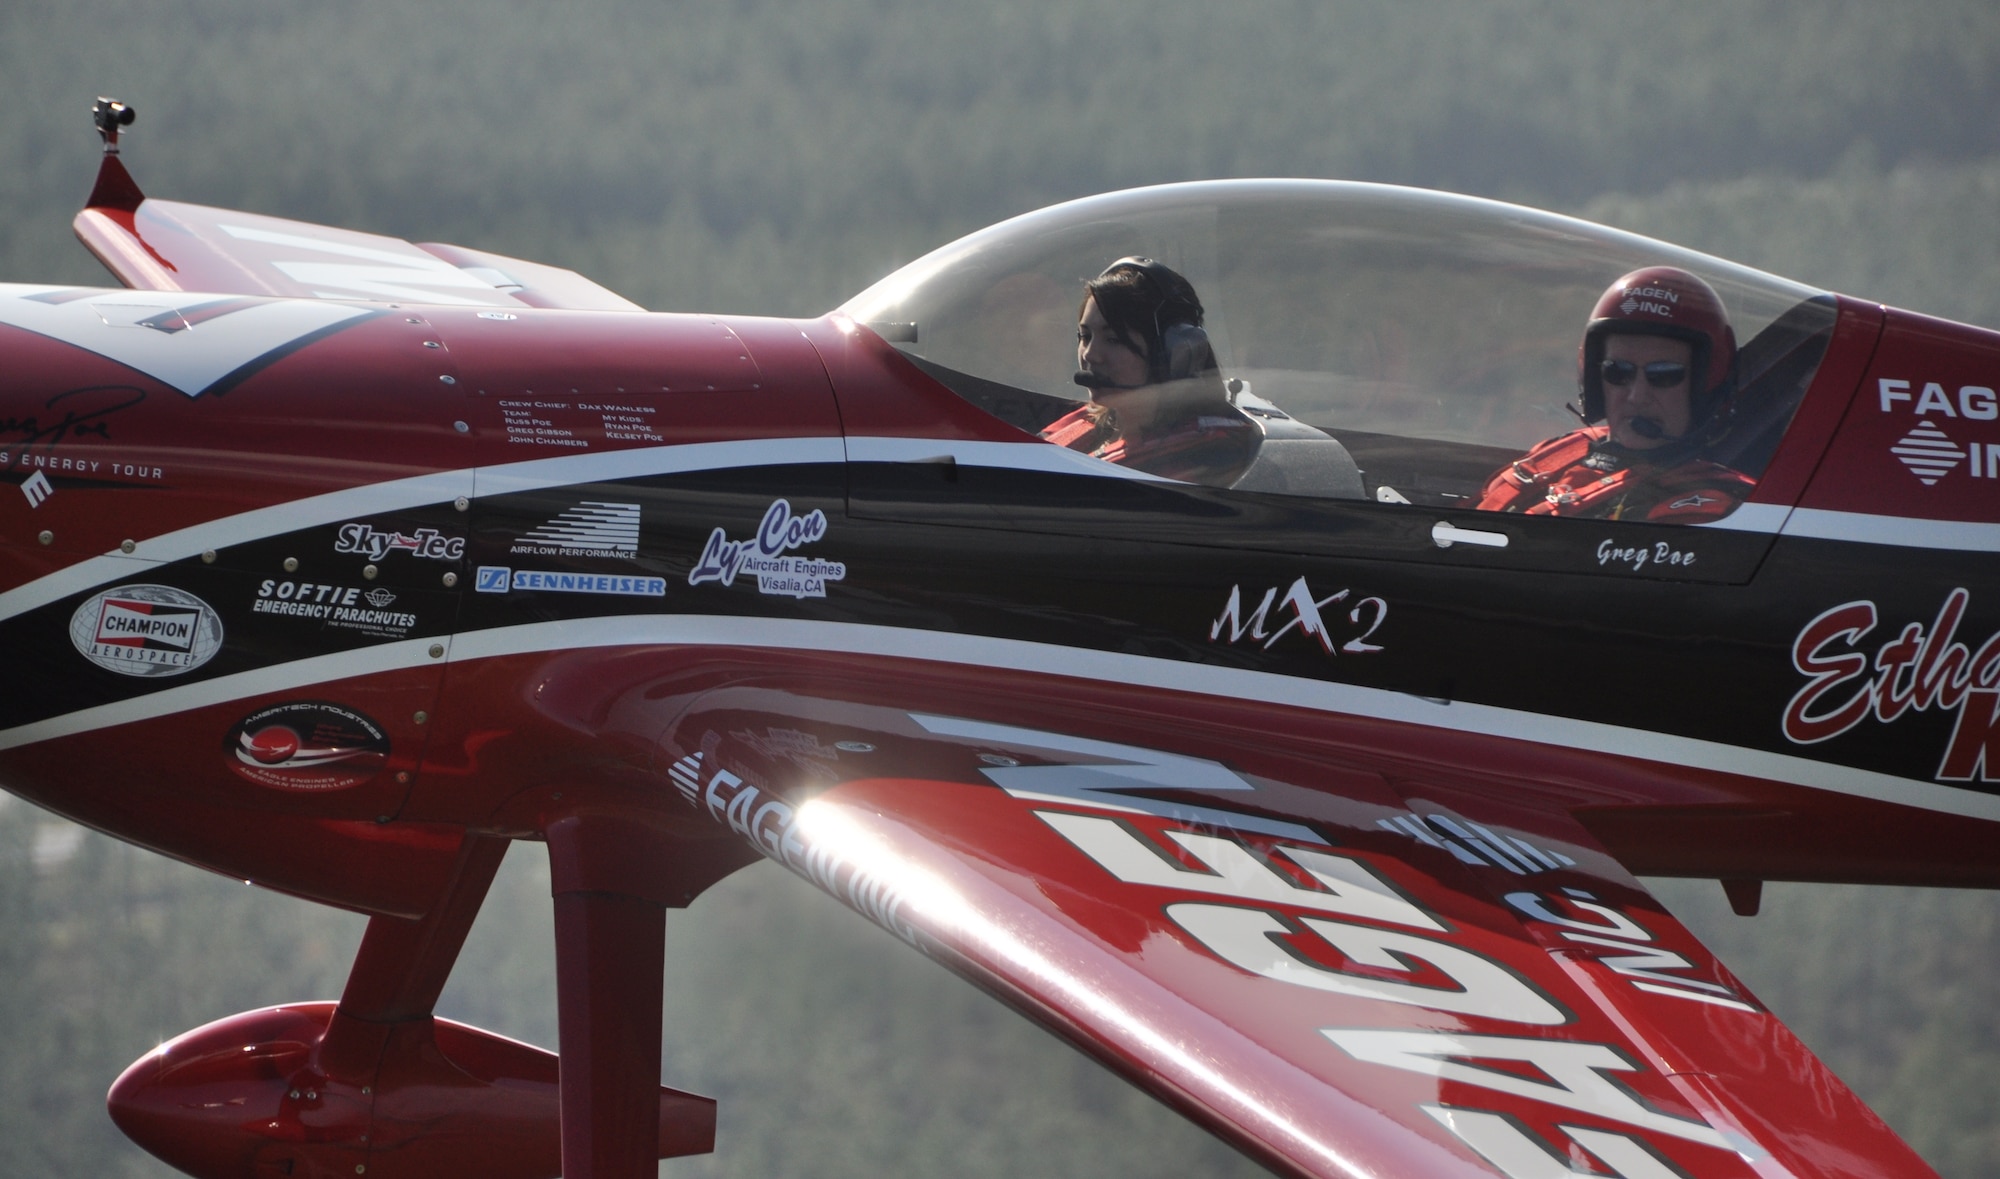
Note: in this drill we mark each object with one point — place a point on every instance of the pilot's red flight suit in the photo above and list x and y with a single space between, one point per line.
1582 474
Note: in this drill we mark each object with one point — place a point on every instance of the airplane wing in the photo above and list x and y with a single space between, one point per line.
156 245
1349 973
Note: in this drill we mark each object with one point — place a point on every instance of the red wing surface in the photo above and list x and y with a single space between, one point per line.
172 246
1341 976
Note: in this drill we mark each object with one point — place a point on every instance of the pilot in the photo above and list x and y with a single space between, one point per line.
1157 401
1654 369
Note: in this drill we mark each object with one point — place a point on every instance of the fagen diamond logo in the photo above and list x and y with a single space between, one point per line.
1928 453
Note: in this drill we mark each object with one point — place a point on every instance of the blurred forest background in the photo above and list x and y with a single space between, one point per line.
775 156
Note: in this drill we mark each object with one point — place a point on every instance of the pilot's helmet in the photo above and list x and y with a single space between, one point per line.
1662 301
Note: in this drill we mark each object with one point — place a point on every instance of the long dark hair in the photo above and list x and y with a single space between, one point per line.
1141 301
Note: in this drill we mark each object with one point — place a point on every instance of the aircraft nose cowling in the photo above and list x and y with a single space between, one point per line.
254 1096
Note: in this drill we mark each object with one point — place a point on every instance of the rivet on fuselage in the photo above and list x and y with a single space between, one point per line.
208 556
448 379
291 564
461 427
461 503
421 717
47 537
432 344
450 579
126 546
437 650
369 572
402 776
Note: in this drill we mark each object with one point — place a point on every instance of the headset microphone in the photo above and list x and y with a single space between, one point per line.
1091 380
1646 428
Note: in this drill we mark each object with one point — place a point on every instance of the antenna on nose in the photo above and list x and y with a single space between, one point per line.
110 114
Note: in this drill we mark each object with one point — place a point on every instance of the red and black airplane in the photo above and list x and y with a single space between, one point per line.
1313 804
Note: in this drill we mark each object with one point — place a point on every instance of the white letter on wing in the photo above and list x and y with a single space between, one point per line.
1353 890
1247 938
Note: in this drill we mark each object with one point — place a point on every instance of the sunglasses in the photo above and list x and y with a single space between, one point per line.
1660 374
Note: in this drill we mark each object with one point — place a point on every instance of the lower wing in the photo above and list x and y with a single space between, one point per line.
1342 976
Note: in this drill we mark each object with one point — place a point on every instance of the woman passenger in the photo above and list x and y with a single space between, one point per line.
1157 401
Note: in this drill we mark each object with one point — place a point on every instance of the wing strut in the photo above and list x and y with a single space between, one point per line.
401 967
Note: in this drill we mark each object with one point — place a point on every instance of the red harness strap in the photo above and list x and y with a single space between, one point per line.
1573 475
1076 430
1209 449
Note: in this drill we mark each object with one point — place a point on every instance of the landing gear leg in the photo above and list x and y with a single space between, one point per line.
613 882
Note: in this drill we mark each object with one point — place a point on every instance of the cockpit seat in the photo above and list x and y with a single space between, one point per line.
1294 458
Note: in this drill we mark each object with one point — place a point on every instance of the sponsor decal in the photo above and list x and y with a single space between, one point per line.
1927 451
1973 402
88 468
569 583
590 529
1618 942
1651 300
778 534
426 543
146 630
1661 555
1309 618
36 488
1919 669
339 607
771 826
307 745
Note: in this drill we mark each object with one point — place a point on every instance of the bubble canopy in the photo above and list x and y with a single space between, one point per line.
1368 311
